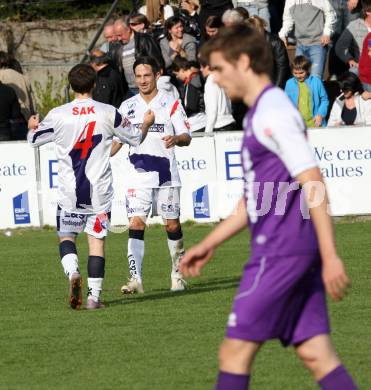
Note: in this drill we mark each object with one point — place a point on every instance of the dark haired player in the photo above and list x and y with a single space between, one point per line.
152 177
293 259
82 132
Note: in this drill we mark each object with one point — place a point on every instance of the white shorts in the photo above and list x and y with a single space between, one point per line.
165 202
71 224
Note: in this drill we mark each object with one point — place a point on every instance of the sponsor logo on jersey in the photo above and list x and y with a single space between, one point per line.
83 110
131 114
201 207
131 192
155 128
21 209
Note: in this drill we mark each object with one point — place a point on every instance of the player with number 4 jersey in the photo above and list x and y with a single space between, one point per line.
82 132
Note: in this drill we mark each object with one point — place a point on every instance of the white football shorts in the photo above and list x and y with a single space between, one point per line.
71 224
165 202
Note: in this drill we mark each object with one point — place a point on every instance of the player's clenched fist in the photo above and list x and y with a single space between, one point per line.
33 122
149 118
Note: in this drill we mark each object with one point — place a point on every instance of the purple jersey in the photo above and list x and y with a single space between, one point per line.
274 151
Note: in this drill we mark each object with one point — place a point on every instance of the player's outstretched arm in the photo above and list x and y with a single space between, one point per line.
199 255
333 272
178 140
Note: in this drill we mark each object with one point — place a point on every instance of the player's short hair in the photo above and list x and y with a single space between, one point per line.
234 41
180 63
82 78
147 60
301 63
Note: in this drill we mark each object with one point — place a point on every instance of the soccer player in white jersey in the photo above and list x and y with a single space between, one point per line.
293 257
153 178
82 132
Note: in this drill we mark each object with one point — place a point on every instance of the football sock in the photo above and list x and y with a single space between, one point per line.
176 249
95 276
136 253
69 259
228 381
337 379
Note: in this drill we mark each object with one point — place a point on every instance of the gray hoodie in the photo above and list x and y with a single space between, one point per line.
164 84
349 45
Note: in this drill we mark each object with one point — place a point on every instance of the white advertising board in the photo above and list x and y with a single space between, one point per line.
197 169
18 186
229 171
344 156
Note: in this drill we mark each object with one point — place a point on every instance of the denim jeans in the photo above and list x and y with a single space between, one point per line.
261 12
316 54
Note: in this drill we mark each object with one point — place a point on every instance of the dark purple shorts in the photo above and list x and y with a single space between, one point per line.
280 298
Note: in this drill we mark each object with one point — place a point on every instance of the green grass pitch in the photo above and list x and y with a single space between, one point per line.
160 340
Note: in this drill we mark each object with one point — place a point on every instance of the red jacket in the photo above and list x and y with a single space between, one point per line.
364 66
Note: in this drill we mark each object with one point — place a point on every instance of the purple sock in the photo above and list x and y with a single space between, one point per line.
227 381
337 379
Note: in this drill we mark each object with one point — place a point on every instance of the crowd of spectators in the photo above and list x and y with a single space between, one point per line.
332 32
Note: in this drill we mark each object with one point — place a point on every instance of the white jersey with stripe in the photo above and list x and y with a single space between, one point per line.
82 132
151 165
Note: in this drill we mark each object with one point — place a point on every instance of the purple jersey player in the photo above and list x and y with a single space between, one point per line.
293 260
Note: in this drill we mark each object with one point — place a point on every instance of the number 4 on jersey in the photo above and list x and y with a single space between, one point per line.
86 144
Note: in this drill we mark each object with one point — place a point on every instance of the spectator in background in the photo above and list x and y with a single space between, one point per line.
365 64
191 20
139 23
157 11
314 23
281 65
134 45
257 8
191 93
346 11
212 8
108 85
349 45
9 110
109 36
308 93
218 108
177 43
19 83
350 108
212 26
231 17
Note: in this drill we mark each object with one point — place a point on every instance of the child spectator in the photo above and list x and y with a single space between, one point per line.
191 93
350 108
213 25
308 93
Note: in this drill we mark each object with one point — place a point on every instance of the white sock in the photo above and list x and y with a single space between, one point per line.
135 258
176 249
95 288
70 264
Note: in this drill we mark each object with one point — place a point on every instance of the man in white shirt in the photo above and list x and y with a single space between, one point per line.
152 175
82 131
218 106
